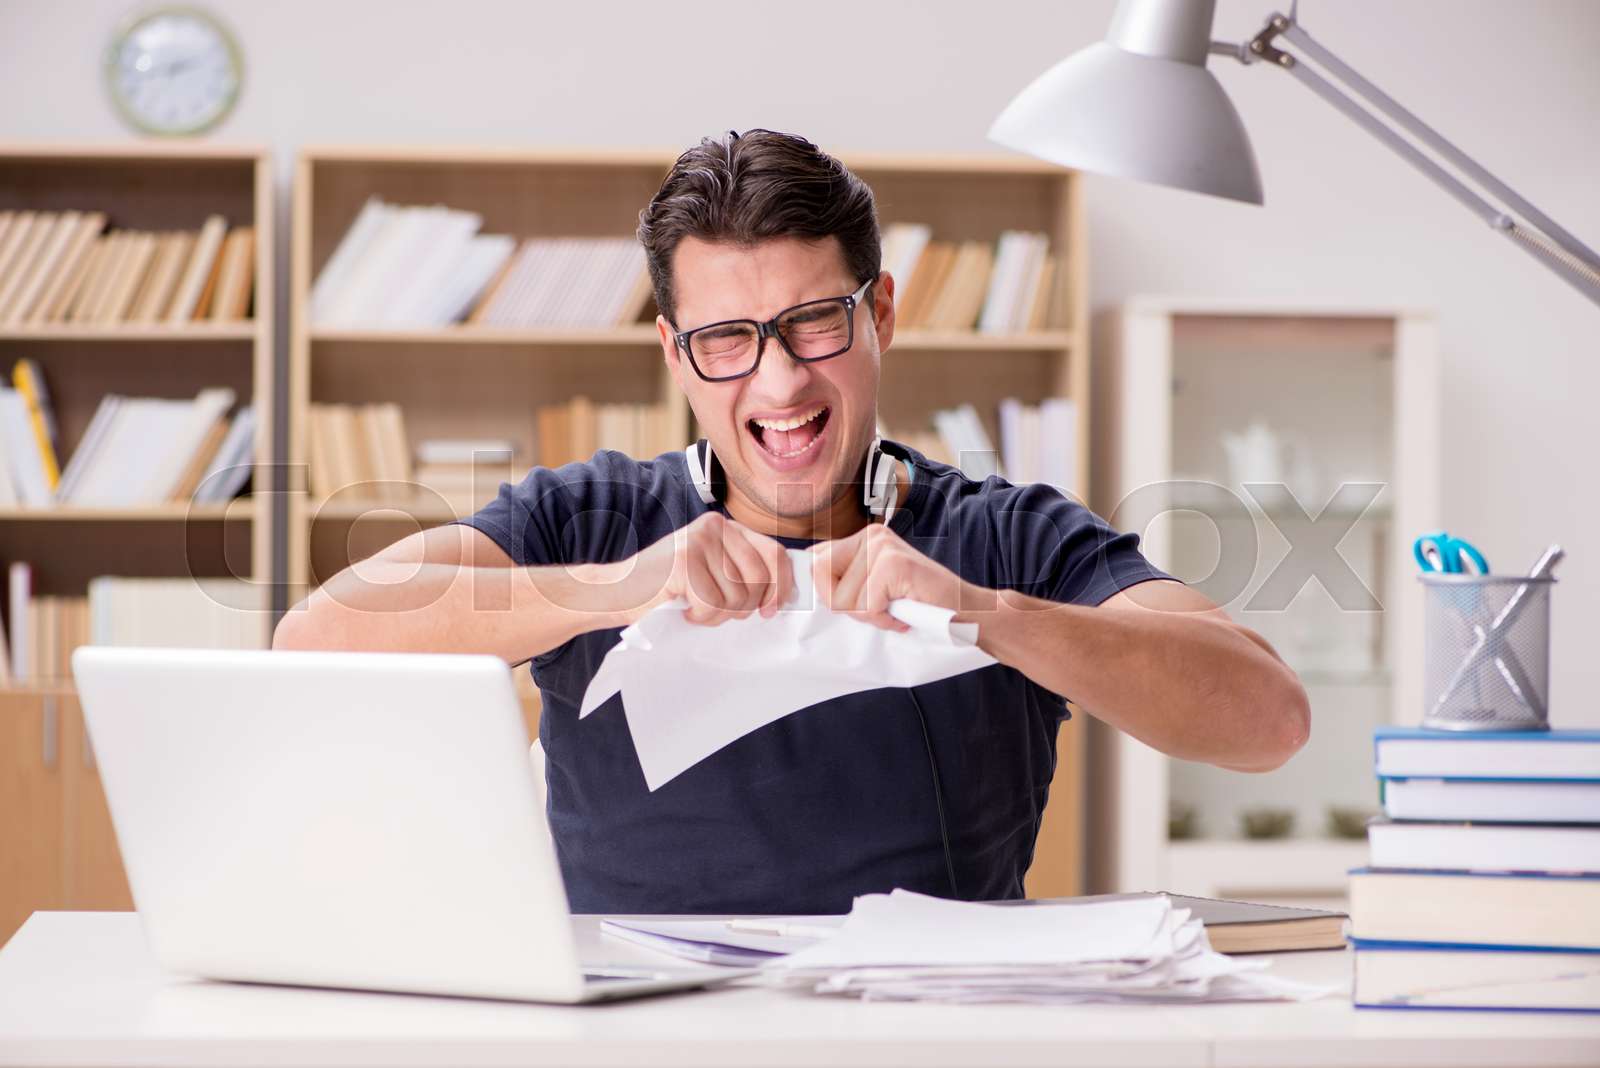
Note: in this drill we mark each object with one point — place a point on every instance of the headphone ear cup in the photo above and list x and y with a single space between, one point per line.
701 464
878 486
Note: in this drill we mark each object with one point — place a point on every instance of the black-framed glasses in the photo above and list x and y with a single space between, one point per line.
815 330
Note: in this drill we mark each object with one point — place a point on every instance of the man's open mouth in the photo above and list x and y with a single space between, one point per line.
789 439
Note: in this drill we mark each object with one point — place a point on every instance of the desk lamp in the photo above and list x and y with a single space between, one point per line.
1142 105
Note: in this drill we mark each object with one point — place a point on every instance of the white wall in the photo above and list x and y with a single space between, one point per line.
1517 84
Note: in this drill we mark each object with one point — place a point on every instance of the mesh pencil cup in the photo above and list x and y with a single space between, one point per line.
1486 652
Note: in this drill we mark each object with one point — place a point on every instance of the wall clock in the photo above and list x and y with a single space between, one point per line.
174 71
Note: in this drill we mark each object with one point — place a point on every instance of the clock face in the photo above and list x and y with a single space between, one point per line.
174 71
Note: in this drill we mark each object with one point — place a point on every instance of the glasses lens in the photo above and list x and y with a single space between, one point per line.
813 331
725 350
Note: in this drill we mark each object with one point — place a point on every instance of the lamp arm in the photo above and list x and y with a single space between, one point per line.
1543 238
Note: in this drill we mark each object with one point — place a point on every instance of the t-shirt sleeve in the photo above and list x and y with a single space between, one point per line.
530 520
1053 548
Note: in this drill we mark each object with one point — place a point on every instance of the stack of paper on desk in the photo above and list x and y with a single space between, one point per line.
904 946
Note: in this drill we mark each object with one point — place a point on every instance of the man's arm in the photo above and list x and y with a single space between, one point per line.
451 589
1158 660
1163 663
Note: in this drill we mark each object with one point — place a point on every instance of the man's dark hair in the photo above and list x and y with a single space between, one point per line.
746 188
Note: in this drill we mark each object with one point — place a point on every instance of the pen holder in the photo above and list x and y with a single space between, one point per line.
1486 652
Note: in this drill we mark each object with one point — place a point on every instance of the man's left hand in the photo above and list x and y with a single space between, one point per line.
861 574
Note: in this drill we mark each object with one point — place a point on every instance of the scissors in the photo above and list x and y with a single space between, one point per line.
1440 553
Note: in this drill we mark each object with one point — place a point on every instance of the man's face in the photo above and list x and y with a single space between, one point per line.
783 467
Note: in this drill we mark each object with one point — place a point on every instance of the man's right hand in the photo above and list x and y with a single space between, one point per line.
722 569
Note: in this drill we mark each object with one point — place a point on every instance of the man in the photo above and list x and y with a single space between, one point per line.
774 315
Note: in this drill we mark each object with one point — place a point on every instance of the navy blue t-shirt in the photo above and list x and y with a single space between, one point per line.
837 800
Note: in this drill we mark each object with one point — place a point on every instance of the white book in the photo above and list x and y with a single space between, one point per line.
1058 457
1019 297
360 301
134 443
508 302
1501 802
1011 437
552 309
619 288
1030 446
20 579
911 239
448 236
83 456
981 460
542 276
230 468
475 268
600 294
1484 846
351 248
464 450
185 435
8 488
22 451
996 315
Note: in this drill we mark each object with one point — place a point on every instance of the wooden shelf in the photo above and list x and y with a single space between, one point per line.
245 331
241 510
1052 341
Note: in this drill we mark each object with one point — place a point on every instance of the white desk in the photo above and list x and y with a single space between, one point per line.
80 989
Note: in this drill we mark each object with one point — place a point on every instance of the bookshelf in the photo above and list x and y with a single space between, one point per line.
53 818
476 381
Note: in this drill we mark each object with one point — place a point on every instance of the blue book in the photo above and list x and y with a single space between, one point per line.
1415 752
1421 975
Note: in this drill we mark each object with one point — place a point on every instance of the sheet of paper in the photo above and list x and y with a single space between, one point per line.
688 690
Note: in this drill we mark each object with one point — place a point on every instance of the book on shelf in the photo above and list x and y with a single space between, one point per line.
19 591
184 613
64 267
573 432
1039 443
995 287
1483 889
147 450
400 266
465 473
360 452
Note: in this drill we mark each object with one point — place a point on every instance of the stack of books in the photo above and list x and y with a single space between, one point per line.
414 266
135 450
942 285
1483 890
62 267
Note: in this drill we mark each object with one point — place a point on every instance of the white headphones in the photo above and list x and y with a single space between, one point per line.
880 490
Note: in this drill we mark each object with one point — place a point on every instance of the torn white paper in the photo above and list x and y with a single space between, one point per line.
688 690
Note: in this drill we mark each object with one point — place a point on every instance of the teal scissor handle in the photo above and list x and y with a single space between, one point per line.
1441 553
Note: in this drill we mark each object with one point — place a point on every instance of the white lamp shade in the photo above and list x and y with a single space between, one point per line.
1114 112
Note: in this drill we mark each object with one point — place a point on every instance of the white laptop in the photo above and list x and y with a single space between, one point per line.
359 820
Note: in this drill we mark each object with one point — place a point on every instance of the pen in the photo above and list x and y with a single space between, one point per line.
782 929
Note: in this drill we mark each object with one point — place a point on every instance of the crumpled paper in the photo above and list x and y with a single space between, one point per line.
689 689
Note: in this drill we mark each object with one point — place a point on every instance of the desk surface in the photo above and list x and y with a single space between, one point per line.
81 988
